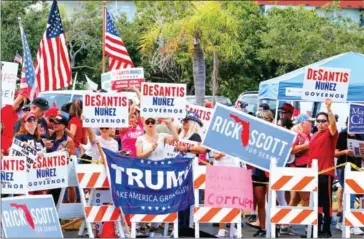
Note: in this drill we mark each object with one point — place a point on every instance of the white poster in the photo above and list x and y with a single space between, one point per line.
19 148
13 175
321 83
163 100
117 80
9 72
357 146
105 110
204 114
49 172
171 151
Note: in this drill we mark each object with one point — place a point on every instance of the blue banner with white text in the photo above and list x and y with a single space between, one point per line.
356 119
144 186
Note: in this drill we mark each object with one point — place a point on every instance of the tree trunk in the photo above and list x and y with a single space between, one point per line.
215 77
199 71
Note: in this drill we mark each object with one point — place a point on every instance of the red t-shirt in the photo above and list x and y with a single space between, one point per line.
302 158
79 131
8 119
322 147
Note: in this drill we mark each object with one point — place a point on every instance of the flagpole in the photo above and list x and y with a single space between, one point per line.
103 36
73 87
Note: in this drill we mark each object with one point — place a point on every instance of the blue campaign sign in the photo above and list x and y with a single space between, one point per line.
356 119
253 140
143 186
30 216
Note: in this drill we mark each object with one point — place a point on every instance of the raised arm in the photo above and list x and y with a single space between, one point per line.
332 120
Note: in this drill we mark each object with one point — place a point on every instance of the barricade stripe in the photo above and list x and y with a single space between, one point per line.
93 179
231 215
115 215
106 183
171 217
348 223
303 183
281 182
359 216
80 177
199 181
355 186
210 214
280 215
314 222
196 209
100 214
148 218
301 216
87 211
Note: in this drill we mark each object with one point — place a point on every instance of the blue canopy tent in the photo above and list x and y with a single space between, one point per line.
276 88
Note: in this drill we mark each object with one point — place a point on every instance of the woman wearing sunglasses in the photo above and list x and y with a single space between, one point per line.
128 136
29 132
151 144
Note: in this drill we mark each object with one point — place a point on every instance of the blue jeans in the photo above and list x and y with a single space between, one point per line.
340 172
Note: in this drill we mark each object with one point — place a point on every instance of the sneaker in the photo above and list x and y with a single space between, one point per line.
252 218
221 233
325 235
339 226
288 231
356 231
260 233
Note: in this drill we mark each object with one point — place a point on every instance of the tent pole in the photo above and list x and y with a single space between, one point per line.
276 114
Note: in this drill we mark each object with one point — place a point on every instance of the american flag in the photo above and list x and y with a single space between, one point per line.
53 67
28 85
115 48
18 58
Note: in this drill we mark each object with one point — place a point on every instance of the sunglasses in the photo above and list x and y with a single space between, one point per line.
321 121
104 128
150 121
32 120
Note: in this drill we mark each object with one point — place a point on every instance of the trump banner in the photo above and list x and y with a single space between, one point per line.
144 186
229 187
30 217
253 140
356 119
163 100
106 110
321 83
13 180
49 171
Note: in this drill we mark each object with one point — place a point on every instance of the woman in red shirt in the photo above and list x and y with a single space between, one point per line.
75 129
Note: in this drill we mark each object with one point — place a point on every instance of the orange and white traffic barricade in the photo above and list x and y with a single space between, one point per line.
203 214
92 177
354 184
151 218
292 179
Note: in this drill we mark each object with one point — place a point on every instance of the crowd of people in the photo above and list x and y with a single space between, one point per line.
49 129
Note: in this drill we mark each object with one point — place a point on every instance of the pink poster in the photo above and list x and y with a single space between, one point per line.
228 187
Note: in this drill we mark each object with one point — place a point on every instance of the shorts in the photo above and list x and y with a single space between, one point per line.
260 181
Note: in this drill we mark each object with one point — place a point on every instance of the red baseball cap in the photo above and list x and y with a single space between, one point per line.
28 115
286 107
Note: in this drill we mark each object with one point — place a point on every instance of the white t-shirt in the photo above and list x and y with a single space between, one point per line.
158 153
110 144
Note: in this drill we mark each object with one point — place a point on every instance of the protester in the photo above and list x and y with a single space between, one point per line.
38 107
9 115
128 136
151 144
104 140
260 183
346 155
322 148
75 129
263 106
286 111
60 141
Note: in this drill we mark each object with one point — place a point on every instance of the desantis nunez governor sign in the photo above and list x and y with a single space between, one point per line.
252 140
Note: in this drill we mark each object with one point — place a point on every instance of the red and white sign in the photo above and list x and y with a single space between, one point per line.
321 83
125 78
171 151
204 114
163 100
49 172
13 179
105 110
228 187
